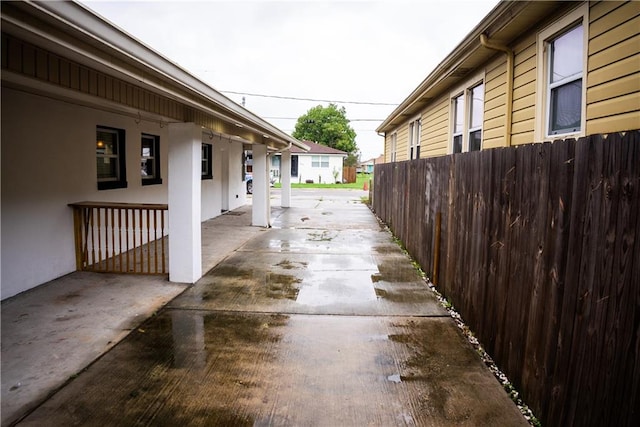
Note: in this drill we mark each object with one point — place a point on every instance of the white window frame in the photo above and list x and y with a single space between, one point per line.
415 133
154 158
464 93
454 116
394 146
318 161
578 16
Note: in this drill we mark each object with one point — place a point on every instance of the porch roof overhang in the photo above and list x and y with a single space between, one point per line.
73 31
504 24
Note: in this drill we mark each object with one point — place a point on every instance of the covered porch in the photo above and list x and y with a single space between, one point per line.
69 78
56 315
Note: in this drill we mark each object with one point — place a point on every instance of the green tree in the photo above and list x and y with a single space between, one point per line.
328 126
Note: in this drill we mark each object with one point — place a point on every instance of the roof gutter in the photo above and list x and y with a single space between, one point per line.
485 42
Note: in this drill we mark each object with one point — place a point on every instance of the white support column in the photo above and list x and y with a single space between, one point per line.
184 183
260 210
285 179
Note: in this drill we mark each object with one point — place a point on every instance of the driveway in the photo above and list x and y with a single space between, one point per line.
319 321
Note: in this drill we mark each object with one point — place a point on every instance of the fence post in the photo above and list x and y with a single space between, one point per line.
436 248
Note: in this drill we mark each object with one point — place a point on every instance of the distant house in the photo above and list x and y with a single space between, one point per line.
367 165
321 164
528 72
91 115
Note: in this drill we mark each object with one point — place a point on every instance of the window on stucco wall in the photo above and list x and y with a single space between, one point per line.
110 158
319 161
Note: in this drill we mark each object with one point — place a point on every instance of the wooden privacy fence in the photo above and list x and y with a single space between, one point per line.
349 174
120 237
539 250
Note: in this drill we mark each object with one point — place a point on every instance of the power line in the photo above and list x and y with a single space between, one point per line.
307 99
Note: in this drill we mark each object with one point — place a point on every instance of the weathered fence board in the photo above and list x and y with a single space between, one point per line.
539 251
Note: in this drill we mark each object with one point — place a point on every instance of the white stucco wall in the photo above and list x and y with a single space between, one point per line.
318 174
212 188
237 195
48 161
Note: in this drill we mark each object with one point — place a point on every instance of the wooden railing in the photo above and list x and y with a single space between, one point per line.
121 237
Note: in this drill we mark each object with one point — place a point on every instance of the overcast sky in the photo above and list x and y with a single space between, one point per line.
358 51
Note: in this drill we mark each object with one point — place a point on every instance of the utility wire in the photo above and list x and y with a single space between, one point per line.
306 99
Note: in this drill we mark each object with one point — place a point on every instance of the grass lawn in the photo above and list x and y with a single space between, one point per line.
359 184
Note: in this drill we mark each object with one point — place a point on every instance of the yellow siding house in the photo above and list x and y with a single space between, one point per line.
530 71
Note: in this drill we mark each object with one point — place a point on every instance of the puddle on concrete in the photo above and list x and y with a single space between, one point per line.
282 286
404 293
228 270
179 368
292 265
321 236
330 289
390 270
229 283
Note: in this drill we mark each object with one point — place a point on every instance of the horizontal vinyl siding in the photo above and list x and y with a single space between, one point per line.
524 91
387 147
613 81
493 127
402 143
435 129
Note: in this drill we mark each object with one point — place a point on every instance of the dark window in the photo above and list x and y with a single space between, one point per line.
475 140
207 172
457 144
294 165
150 160
110 158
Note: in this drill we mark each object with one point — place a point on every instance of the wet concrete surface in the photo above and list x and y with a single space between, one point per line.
318 321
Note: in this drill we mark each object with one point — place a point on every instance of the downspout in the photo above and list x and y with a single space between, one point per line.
484 41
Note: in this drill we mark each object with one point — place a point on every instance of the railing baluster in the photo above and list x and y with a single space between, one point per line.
155 240
148 243
112 249
126 219
93 238
119 240
105 241
135 234
164 268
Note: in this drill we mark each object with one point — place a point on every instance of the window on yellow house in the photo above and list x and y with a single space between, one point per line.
564 89
394 146
414 139
468 116
560 103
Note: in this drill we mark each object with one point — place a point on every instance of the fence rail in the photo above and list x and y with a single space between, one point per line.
120 237
538 248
